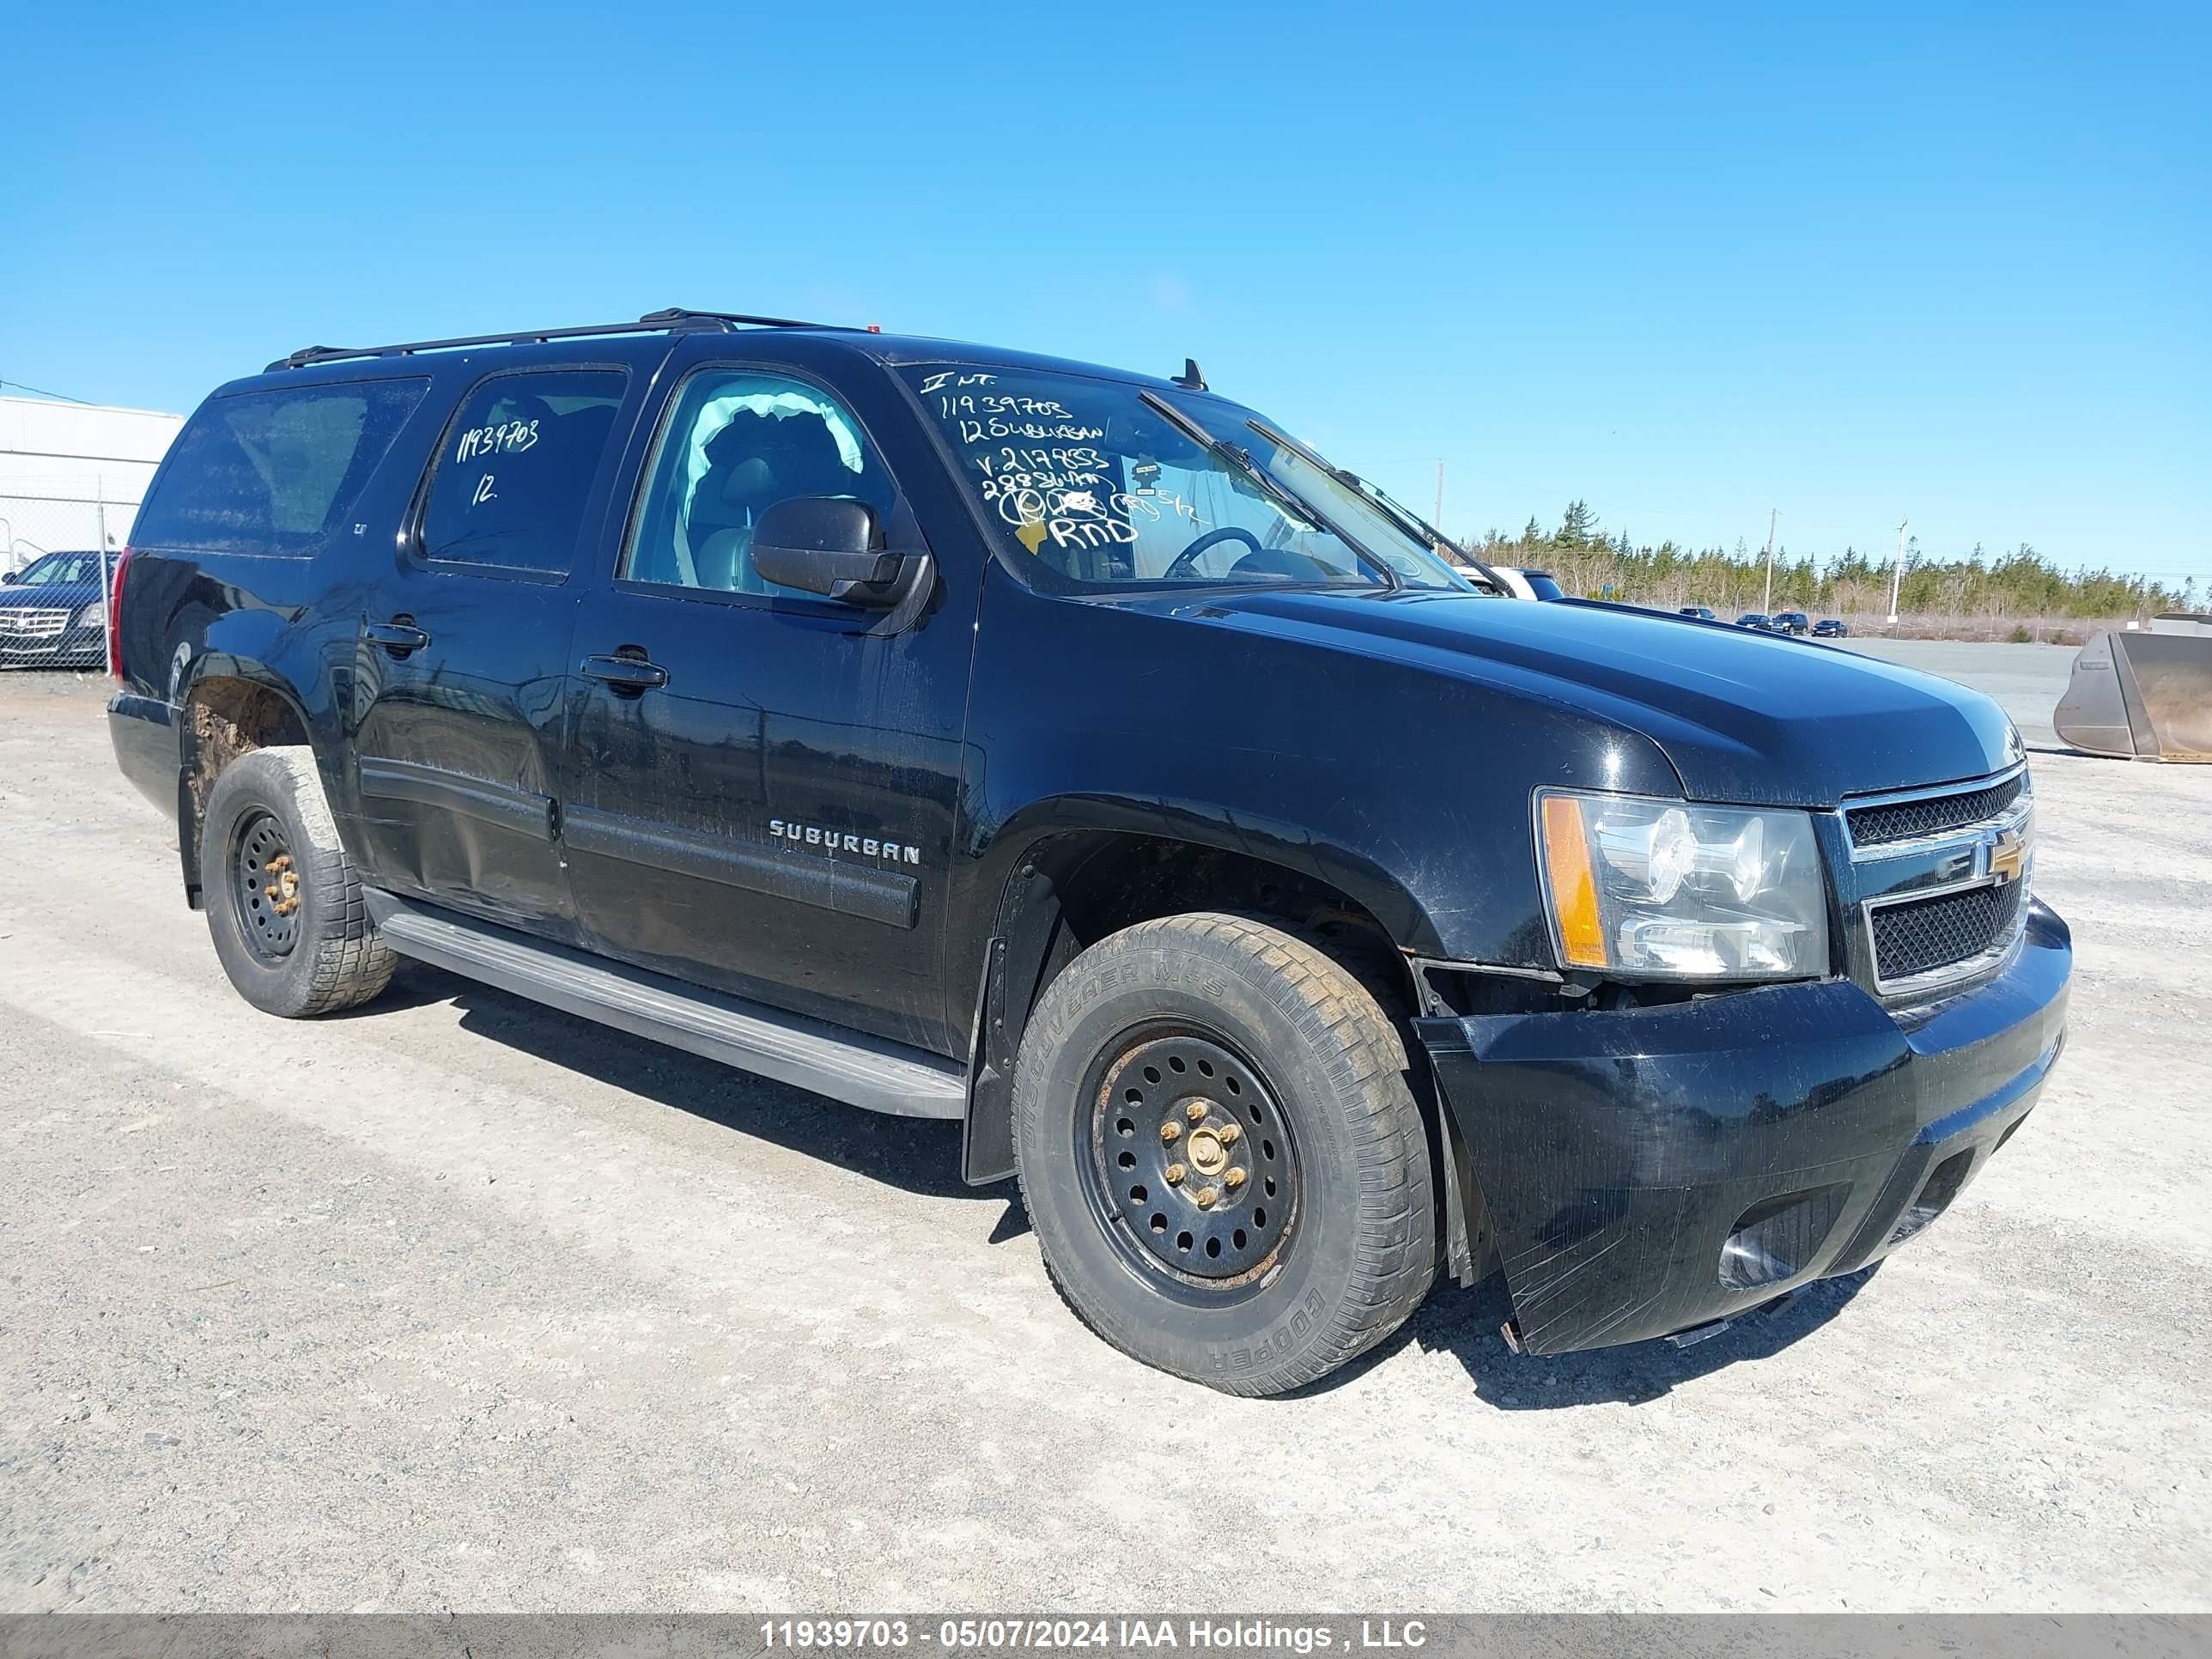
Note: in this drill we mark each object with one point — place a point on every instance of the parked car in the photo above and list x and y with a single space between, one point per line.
1758 619
1512 581
1701 612
1791 622
53 613
1830 628
1068 754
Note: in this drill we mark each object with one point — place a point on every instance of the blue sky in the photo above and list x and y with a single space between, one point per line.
1943 261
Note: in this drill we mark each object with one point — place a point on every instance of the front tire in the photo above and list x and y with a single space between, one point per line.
284 904
1218 1149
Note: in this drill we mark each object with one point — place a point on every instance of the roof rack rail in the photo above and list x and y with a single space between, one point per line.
672 317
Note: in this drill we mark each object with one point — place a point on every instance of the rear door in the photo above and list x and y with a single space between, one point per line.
463 649
763 783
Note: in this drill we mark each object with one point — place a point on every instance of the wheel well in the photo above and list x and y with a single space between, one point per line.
1070 890
1105 883
223 719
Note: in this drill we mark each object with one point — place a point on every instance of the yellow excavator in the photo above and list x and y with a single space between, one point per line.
2144 695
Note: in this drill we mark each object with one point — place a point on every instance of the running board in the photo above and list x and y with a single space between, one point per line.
859 1070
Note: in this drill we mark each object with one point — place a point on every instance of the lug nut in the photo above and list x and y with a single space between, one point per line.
1230 1134
1196 1111
1176 1172
1170 1132
1233 1179
1206 1197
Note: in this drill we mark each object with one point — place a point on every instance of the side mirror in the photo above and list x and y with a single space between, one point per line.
8 580
830 546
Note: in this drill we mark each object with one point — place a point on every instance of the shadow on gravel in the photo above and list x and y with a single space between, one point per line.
413 986
915 1155
1464 1324
923 1157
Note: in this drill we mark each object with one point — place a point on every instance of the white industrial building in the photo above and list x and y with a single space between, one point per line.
72 475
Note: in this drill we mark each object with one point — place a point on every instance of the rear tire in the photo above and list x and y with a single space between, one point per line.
1217 1145
284 904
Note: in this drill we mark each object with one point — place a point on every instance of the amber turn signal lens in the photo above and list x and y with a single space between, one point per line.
1574 889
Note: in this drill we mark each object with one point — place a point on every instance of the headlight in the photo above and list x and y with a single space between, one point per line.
1667 889
93 616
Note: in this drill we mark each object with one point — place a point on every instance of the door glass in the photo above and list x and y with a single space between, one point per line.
738 442
519 461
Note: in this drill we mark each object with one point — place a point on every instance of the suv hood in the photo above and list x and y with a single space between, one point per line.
1746 717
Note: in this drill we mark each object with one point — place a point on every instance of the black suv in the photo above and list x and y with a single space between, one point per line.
1079 757
1791 622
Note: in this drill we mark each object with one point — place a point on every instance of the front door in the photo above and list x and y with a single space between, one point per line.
464 651
762 782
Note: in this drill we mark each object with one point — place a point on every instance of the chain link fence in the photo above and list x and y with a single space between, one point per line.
53 613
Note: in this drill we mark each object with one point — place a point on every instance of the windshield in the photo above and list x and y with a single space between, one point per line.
1097 483
61 570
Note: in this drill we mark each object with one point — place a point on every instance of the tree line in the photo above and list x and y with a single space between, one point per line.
1587 560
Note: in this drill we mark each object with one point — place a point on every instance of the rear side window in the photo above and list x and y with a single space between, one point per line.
273 472
517 463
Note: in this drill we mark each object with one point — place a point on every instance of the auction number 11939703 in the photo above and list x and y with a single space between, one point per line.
1249 1636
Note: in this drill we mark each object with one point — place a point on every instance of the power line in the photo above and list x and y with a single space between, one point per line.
59 397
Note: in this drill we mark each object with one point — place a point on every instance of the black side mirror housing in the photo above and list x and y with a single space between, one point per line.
7 578
830 546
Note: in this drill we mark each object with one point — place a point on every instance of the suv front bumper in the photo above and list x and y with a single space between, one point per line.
1646 1171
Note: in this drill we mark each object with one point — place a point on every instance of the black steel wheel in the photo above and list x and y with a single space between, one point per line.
1194 1169
1221 1153
264 887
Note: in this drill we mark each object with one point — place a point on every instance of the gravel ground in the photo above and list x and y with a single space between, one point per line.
457 1304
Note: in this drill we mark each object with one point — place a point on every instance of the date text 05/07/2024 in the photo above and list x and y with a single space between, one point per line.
1044 1635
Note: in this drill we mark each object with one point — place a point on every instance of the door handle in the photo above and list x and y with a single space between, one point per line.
398 637
630 677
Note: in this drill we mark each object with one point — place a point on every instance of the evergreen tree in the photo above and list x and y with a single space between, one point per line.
2019 583
1578 529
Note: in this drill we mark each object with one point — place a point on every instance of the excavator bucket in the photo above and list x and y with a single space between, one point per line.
2141 695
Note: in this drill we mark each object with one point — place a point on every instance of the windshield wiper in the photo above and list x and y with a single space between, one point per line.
1270 486
1416 527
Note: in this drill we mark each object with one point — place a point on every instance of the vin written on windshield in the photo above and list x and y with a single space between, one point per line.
1091 486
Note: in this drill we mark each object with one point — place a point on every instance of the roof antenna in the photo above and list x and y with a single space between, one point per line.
1190 379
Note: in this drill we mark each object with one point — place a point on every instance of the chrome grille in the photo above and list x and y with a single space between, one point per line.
1940 877
1921 935
20 622
1909 820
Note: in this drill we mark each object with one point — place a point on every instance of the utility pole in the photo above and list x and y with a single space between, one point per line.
1439 520
1897 576
1766 605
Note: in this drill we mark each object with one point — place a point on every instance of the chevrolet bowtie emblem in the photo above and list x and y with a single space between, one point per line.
2008 856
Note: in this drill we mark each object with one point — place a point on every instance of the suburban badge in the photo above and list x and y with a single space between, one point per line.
839 842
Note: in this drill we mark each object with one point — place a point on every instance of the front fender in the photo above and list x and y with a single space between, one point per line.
1404 788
